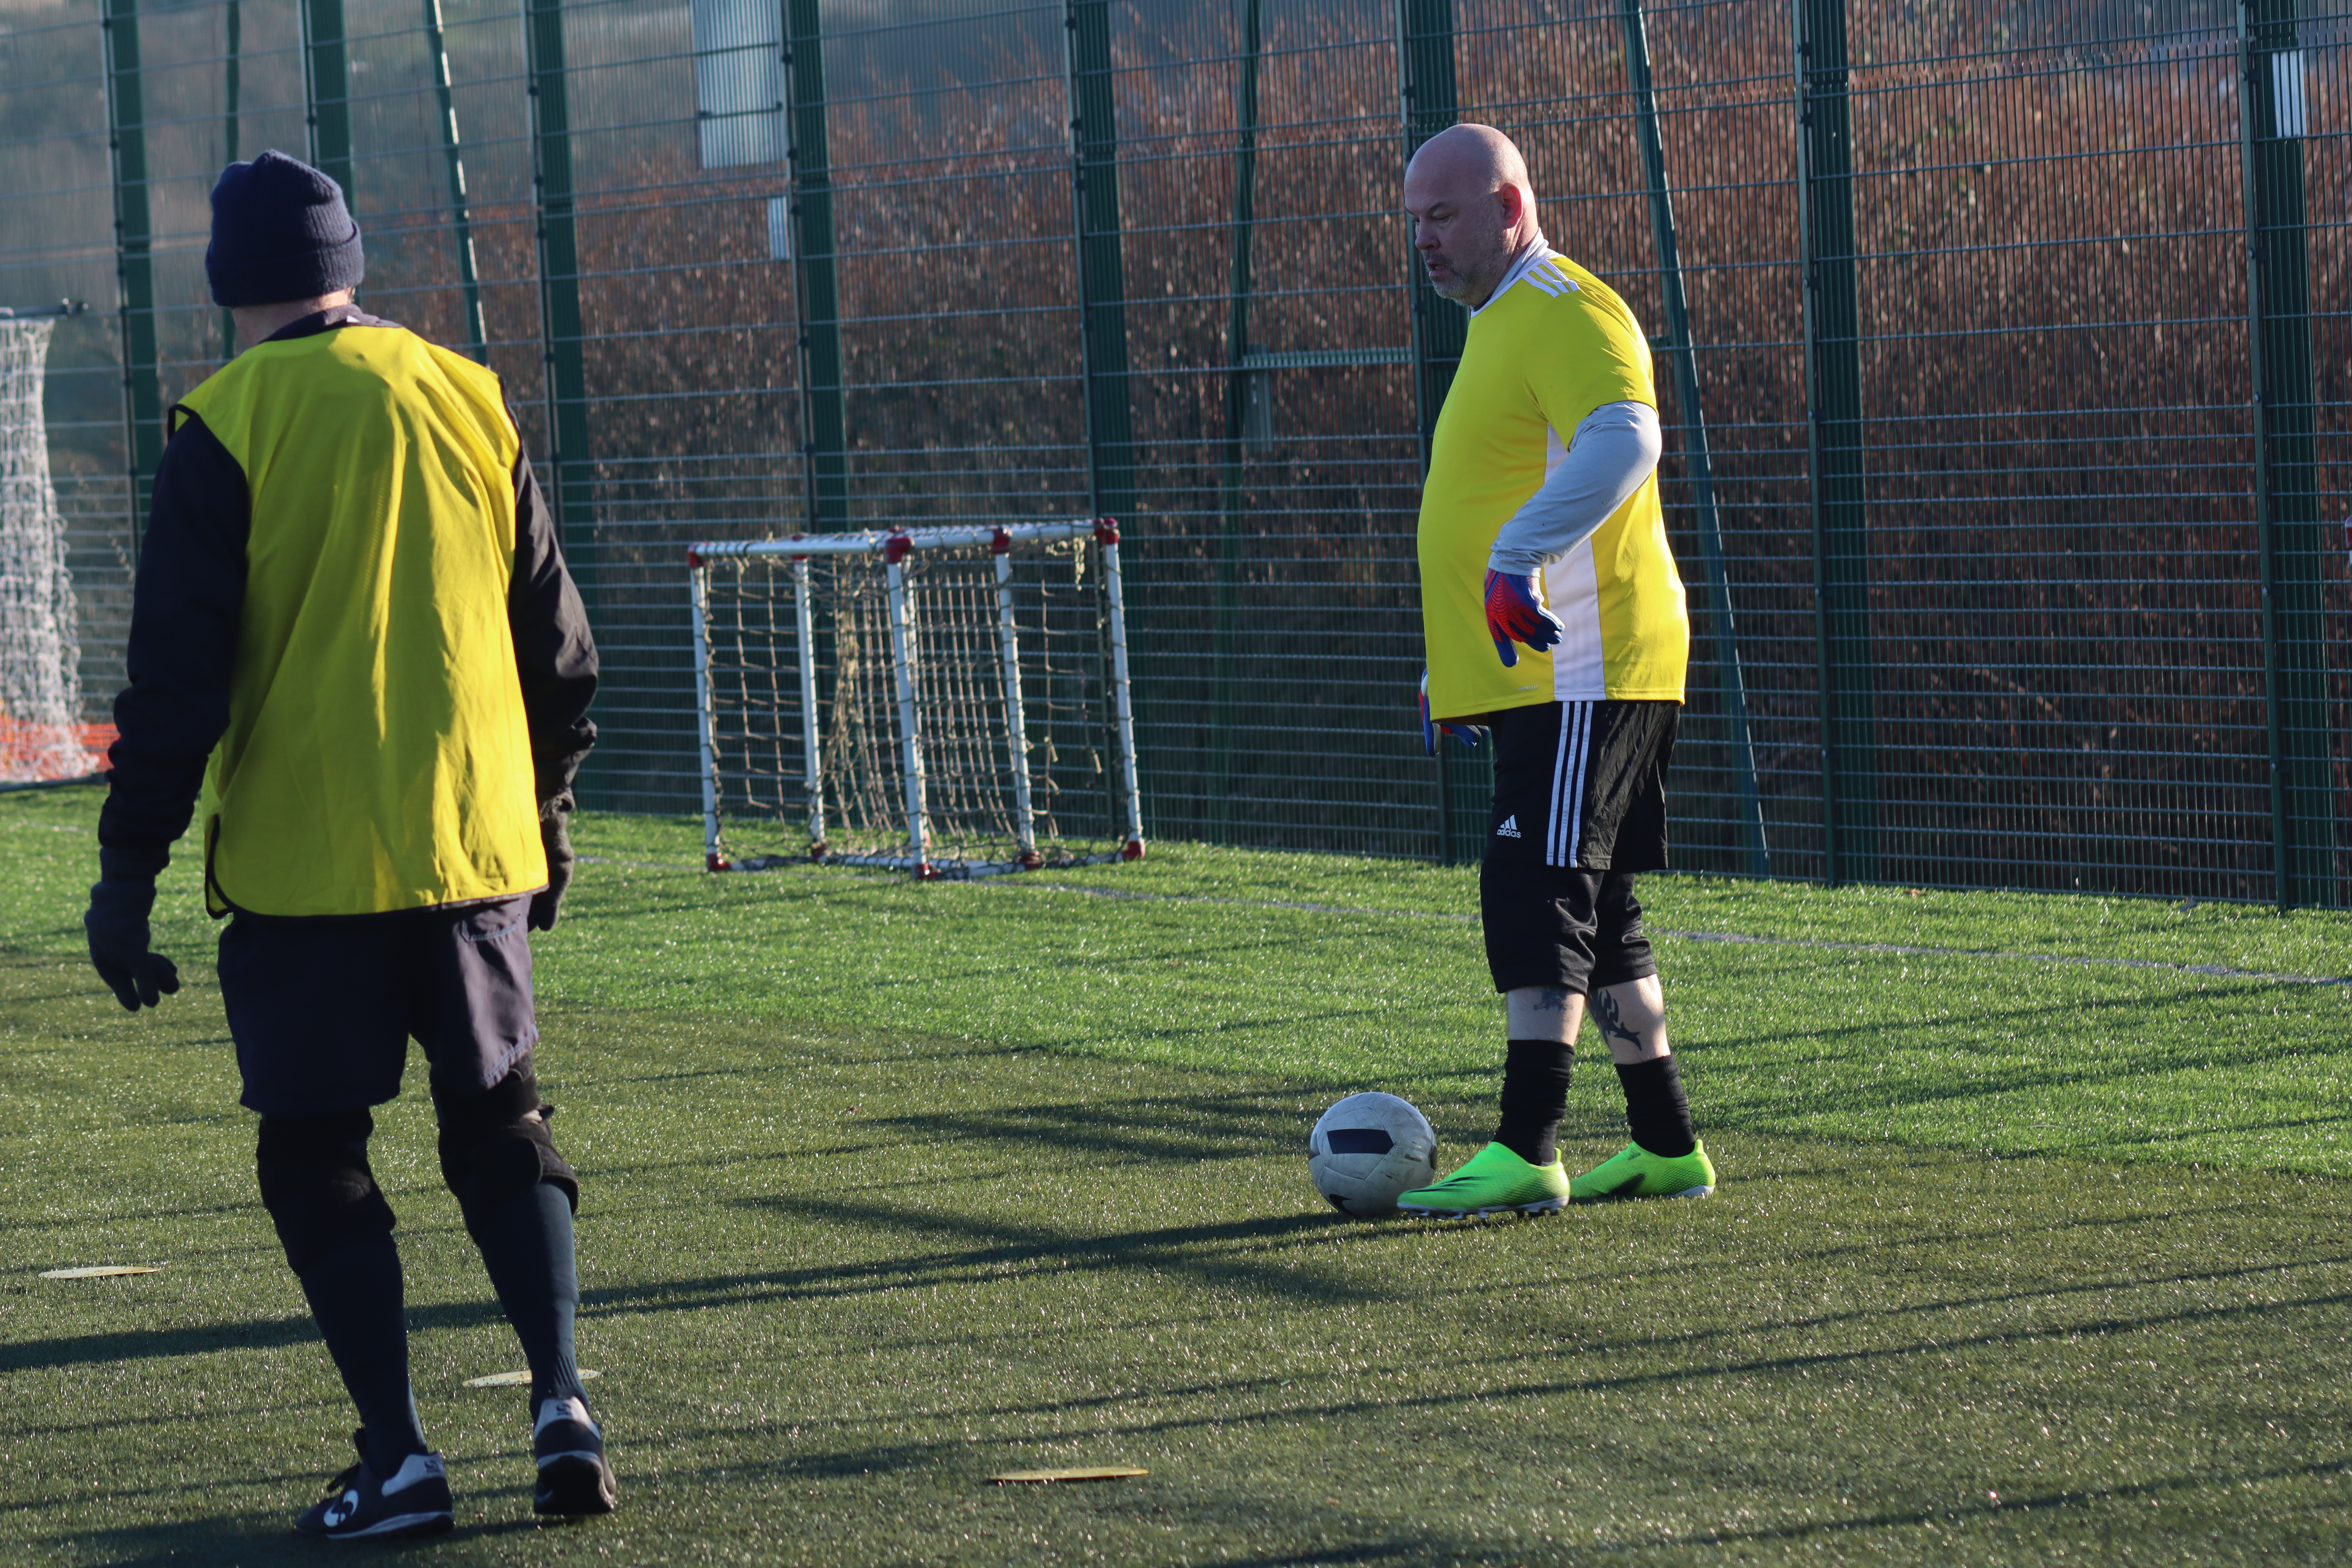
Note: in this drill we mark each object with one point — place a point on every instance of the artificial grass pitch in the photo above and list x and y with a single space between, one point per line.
888 1190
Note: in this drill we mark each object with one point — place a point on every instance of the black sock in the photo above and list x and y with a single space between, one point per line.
354 1293
1535 1097
526 1242
1656 1109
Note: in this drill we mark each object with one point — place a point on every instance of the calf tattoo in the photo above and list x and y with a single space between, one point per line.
1612 1020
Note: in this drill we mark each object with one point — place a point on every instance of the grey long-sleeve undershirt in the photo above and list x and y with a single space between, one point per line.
1609 455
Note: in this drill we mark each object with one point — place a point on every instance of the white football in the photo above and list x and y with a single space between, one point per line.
1368 1149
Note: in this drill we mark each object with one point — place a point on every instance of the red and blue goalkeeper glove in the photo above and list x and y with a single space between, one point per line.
1469 735
1514 614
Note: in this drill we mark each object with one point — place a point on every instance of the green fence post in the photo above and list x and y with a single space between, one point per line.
571 471
1237 379
1429 101
1425 64
326 92
1729 677
1102 276
1102 286
461 214
2291 542
134 266
816 297
232 93
1834 444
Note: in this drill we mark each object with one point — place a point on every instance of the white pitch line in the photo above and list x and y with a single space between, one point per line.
1899 950
1740 938
2220 970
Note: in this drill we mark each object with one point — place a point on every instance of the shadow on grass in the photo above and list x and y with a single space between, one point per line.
227 1540
1401 1408
1029 1250
2045 1502
207 1338
1185 1128
1416 1549
1149 1129
147 1214
1165 1251
1934 1306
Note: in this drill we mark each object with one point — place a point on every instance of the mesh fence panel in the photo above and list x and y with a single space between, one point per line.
2003 368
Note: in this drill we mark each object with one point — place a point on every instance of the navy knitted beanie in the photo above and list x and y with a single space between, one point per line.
280 232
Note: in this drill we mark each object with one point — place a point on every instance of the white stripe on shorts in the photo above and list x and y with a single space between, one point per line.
1567 828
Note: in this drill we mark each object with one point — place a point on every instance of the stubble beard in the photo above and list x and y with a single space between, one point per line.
1466 270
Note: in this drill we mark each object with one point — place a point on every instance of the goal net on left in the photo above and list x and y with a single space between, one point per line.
41 734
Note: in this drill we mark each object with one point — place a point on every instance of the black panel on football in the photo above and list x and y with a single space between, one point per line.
1359 1140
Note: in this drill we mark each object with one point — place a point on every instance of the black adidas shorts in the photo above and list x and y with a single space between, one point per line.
1579 806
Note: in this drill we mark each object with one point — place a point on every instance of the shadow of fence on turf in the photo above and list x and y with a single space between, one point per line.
226 1538
1236 1252
211 1339
1713 1373
1188 1129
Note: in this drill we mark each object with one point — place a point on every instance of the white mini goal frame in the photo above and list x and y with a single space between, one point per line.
894 546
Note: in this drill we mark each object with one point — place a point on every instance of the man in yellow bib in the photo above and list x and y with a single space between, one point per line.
1553 618
353 629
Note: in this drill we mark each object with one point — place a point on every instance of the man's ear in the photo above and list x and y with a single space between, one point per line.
1513 200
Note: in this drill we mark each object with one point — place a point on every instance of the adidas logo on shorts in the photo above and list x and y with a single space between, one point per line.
1510 828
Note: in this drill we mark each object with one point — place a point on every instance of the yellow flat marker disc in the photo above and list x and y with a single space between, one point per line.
1081 1473
105 1271
518 1379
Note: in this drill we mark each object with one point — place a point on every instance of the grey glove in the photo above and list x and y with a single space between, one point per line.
117 924
556 836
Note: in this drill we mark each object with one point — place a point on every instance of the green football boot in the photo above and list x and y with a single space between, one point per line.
1635 1173
1491 1181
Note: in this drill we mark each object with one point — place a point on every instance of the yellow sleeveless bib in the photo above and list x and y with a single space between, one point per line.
377 756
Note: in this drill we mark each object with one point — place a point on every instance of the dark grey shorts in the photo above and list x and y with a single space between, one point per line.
322 1009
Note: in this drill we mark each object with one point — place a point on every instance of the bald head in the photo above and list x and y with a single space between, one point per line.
1473 159
1473 210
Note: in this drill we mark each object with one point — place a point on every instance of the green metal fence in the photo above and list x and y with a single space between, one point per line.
2002 352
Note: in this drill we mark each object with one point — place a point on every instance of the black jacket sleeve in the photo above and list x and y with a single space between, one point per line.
184 619
553 650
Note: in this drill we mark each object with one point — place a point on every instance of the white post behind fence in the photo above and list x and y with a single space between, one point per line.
810 758
697 580
902 660
1122 701
1016 727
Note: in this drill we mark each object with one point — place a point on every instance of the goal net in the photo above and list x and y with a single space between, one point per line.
40 646
948 701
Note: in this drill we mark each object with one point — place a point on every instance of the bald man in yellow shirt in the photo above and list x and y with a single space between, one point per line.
1554 619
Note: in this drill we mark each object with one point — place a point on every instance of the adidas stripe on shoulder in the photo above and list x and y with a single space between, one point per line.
1548 277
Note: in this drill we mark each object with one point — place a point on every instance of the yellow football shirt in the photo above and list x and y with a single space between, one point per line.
378 751
1552 344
